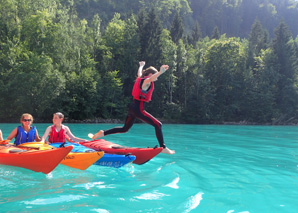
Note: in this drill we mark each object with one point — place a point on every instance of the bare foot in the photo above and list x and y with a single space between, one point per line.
168 151
98 135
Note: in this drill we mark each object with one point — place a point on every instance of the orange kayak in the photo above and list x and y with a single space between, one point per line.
43 161
81 160
77 160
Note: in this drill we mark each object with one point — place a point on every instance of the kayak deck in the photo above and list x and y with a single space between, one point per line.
143 155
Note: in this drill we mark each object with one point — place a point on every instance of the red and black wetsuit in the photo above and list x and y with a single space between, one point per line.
136 110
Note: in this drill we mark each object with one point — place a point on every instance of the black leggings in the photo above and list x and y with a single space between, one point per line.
136 110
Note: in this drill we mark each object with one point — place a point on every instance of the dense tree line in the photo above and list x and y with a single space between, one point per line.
232 17
57 56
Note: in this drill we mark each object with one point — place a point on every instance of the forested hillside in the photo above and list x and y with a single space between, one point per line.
230 60
232 17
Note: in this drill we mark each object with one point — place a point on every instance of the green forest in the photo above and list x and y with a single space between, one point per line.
231 61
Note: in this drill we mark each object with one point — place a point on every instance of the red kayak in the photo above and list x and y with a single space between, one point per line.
143 155
43 161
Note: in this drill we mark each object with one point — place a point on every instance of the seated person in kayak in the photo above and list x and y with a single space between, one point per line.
1 137
59 132
142 92
26 132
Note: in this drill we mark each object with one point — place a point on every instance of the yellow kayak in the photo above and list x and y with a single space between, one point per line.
79 157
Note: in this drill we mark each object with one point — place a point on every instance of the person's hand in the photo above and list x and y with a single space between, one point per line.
142 63
163 68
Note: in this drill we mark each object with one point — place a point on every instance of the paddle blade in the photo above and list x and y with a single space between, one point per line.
90 135
4 142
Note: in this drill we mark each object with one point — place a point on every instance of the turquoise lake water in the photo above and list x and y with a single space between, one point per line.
247 169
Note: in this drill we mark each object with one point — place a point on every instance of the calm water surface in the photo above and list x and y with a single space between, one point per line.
215 169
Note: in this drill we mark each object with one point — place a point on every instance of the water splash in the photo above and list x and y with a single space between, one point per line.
173 184
59 199
193 202
151 196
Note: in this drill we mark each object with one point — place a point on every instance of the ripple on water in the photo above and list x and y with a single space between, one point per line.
215 169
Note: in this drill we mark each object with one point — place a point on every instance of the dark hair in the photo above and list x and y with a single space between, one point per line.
59 114
149 70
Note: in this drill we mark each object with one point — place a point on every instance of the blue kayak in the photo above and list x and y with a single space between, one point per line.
110 160
113 160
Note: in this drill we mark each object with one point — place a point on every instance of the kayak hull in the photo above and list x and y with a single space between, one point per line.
43 161
109 160
82 160
113 160
143 155
78 158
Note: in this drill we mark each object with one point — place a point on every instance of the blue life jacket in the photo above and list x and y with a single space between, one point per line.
24 137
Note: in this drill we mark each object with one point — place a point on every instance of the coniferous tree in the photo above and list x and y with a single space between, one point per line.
95 34
285 64
257 41
196 34
143 34
177 28
215 33
129 58
180 95
150 30
261 89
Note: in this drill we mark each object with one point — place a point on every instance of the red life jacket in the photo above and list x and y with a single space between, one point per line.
57 136
142 95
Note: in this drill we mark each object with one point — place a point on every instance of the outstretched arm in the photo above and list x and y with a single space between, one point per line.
142 64
72 137
163 68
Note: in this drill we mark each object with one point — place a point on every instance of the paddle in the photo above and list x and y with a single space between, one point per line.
3 142
98 135
90 135
36 145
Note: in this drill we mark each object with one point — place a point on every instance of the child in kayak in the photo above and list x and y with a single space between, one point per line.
26 132
142 93
59 132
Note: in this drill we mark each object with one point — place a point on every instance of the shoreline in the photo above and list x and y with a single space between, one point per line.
163 121
118 121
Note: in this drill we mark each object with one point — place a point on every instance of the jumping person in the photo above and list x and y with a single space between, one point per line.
142 92
59 132
26 132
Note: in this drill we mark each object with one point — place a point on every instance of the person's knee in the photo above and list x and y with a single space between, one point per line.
158 124
124 129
